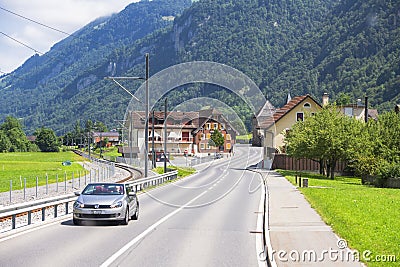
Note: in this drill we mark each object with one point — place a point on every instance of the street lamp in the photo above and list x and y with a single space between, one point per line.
146 131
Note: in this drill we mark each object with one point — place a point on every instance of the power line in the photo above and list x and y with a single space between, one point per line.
27 46
39 23
36 22
43 25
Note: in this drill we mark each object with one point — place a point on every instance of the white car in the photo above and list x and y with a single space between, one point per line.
106 201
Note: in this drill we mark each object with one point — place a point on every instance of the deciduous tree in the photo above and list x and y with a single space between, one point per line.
46 140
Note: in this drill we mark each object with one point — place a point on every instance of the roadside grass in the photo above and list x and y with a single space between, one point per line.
244 137
182 171
368 218
110 153
16 166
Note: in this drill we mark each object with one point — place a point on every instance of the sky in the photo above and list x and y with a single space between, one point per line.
64 15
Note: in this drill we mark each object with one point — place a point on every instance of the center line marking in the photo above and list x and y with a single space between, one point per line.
146 232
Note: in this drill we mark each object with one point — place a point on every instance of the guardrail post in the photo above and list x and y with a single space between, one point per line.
65 181
57 182
43 214
29 217
79 179
66 208
55 211
72 180
14 221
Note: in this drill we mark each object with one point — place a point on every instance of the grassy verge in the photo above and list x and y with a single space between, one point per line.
366 217
17 166
182 171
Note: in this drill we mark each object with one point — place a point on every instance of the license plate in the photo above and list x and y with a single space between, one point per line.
97 212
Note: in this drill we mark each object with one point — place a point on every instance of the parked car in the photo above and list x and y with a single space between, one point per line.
106 201
217 156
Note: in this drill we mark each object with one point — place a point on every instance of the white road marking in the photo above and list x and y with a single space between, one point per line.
146 232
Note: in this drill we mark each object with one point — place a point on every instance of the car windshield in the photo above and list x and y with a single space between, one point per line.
103 189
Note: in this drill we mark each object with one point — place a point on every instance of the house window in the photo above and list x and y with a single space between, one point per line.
228 146
208 136
185 136
228 137
307 105
203 137
348 111
299 116
201 146
208 126
215 126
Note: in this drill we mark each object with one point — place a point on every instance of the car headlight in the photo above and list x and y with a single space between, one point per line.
116 205
78 204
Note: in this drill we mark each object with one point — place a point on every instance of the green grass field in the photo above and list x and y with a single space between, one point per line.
368 218
29 165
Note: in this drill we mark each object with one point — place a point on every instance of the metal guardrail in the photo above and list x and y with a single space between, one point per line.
42 206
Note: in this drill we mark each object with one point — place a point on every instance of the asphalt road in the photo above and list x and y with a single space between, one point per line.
203 220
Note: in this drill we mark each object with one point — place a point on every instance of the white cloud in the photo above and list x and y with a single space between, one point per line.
64 15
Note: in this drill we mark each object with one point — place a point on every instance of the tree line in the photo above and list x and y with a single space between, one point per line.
14 139
371 148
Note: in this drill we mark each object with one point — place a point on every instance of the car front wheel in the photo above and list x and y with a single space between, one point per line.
136 215
125 221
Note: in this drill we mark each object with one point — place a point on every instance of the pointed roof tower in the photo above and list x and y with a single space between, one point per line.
288 98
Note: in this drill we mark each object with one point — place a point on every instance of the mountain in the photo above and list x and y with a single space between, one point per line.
301 47
64 85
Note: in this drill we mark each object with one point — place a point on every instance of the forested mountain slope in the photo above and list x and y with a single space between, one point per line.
56 89
302 46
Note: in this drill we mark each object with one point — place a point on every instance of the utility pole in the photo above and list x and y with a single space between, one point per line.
165 135
153 155
146 136
146 103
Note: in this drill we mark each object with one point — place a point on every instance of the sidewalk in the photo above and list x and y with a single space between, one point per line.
297 233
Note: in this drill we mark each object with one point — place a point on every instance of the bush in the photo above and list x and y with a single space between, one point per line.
390 170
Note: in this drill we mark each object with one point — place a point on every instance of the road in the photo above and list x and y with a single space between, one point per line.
203 220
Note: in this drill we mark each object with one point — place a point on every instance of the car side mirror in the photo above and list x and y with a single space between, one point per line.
77 193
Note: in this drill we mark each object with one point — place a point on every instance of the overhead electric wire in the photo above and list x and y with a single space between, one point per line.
41 24
27 46
31 20
36 22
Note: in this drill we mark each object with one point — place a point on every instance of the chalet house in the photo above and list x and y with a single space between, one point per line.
355 110
186 132
210 121
270 123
